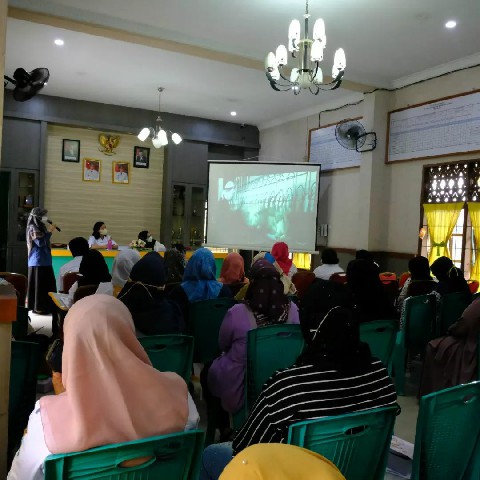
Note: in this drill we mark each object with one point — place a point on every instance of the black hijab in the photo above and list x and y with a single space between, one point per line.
450 278
94 269
143 235
175 265
419 268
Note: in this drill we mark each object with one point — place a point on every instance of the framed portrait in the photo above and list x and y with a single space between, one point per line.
71 150
141 157
91 170
121 172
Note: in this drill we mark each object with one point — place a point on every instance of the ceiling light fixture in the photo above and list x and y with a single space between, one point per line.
451 24
59 42
308 53
158 134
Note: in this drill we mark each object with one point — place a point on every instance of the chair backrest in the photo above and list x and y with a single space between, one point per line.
388 276
25 359
84 291
419 320
170 353
473 286
452 307
339 278
448 430
269 349
174 457
20 326
420 287
357 443
205 318
302 280
380 336
69 279
20 283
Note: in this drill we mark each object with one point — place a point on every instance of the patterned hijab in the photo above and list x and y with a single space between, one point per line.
280 252
199 279
175 265
233 269
265 295
35 227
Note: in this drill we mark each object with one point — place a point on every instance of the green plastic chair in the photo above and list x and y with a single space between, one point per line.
380 336
20 326
174 457
420 326
447 439
451 309
25 359
205 318
170 353
357 443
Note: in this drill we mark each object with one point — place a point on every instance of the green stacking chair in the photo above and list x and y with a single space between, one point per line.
204 321
451 309
170 353
420 326
174 457
357 443
380 336
447 440
25 358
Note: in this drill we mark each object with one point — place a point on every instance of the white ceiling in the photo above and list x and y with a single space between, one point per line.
384 41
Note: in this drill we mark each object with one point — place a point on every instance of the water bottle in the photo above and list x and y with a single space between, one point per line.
109 244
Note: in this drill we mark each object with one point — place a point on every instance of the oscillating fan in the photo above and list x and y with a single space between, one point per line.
28 84
351 134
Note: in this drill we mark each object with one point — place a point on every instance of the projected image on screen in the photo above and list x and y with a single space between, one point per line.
255 205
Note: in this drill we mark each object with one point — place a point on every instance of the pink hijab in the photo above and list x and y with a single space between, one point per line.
233 269
113 394
280 252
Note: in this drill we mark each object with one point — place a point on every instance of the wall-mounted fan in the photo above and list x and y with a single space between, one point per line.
27 84
351 134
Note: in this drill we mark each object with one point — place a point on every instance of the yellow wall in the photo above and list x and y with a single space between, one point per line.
76 205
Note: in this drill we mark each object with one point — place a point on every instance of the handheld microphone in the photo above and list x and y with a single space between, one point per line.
51 223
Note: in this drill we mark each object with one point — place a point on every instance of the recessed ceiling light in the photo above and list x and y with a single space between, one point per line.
233 114
451 24
59 42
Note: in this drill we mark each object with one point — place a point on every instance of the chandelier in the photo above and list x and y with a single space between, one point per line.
158 133
308 53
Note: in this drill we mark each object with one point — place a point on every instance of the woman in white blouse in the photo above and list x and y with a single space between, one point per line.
99 238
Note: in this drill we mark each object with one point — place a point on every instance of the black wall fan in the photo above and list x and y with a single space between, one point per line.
351 134
27 84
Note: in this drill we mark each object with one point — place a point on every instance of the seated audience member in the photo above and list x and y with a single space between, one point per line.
150 242
419 283
233 272
450 278
175 263
336 374
122 266
78 247
276 461
264 304
152 312
371 299
94 271
365 255
199 281
133 399
453 360
280 253
99 238
329 265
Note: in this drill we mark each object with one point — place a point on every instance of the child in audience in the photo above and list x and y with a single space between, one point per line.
78 247
280 253
122 266
112 392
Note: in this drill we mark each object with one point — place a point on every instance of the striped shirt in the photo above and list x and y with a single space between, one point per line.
304 393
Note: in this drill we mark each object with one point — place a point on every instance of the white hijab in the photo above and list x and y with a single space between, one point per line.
122 266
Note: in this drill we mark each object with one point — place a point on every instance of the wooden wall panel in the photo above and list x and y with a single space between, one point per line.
76 205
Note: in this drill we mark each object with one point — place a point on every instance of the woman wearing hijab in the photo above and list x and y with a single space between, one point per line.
453 360
99 239
144 296
122 266
94 271
264 304
280 253
150 242
450 278
101 354
175 264
335 374
41 278
233 272
371 300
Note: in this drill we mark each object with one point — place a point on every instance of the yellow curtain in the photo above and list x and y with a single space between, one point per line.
474 211
302 260
441 220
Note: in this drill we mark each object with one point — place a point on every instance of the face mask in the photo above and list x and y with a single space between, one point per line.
149 239
103 231
44 219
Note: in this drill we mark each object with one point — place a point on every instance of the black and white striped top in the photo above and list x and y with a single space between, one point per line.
305 393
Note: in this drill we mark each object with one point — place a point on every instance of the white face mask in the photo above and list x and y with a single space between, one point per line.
149 239
104 231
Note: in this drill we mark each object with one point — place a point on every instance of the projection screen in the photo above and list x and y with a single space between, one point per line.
252 205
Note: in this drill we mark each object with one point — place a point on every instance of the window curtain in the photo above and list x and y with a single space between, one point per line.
441 220
302 260
474 211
